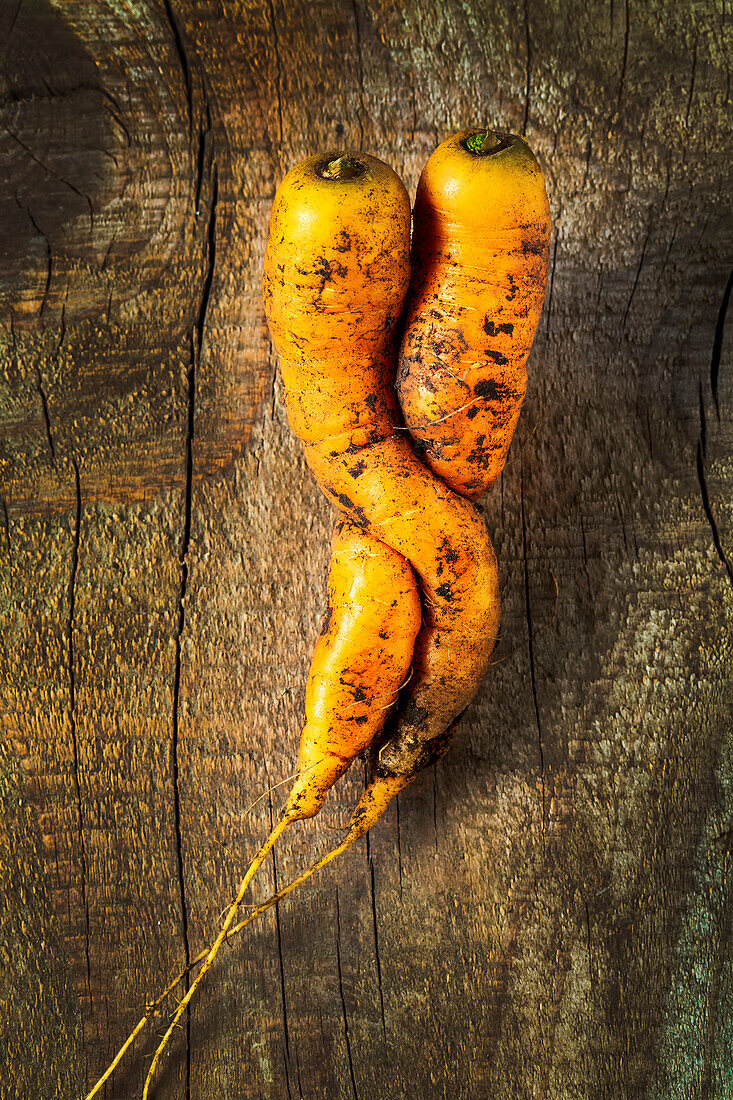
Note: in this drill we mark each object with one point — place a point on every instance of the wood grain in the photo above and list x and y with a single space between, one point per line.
548 912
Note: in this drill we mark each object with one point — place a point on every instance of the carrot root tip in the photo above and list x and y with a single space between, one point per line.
311 787
374 802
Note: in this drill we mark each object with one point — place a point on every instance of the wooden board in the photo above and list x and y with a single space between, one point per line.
548 912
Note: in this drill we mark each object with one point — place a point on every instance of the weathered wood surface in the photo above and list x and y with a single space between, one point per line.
548 912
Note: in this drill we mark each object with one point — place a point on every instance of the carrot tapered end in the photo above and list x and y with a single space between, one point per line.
312 785
374 802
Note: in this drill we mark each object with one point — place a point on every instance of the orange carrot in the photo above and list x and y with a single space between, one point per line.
361 661
480 251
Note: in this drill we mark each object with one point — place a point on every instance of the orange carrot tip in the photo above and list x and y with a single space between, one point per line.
373 803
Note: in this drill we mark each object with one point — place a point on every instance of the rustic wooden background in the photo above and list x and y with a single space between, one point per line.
546 914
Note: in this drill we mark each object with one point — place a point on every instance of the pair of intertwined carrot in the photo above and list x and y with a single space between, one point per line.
335 275
401 450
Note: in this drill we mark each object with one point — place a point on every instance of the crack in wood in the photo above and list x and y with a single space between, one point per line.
117 116
620 510
625 57
49 255
552 288
196 344
49 263
707 508
585 558
703 426
670 246
46 417
649 434
635 284
211 261
347 1036
702 437
372 894
70 655
588 152
6 524
182 58
712 1029
590 956
14 20
530 636
183 584
62 327
718 343
203 144
283 996
50 171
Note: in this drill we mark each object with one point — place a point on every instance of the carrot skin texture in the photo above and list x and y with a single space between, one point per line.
361 660
480 254
334 288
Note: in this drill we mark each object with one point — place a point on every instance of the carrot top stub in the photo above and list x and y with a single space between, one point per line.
478 172
345 166
339 240
485 143
480 249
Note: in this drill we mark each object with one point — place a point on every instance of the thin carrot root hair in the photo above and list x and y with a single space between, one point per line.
207 955
370 808
254 866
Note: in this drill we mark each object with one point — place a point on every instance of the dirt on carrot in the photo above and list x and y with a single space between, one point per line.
479 272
